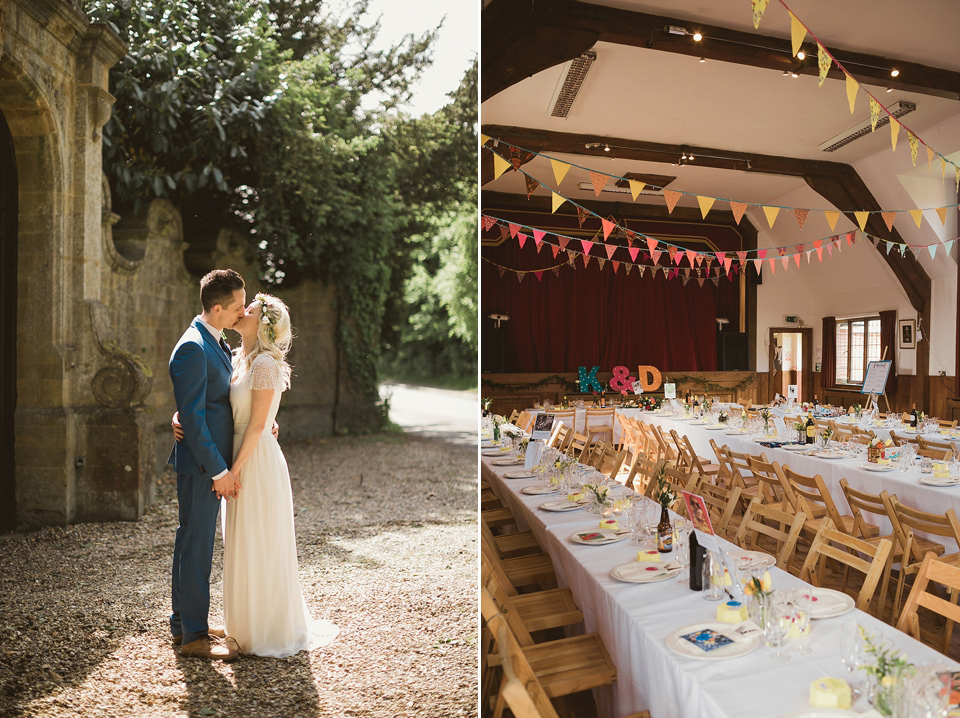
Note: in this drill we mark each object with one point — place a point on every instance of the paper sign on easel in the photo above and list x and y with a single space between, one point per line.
703 528
792 392
542 426
780 426
532 457
669 391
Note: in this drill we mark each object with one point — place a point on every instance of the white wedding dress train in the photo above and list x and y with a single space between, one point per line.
263 605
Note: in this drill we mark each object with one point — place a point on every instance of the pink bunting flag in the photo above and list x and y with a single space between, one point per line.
762 253
611 248
598 180
555 249
818 245
633 252
785 261
514 228
655 255
799 248
738 208
830 249
721 256
488 222
796 258
888 218
586 246
742 256
521 238
727 262
538 235
563 241
539 275
607 228
672 197
673 273
758 263
773 266
801 216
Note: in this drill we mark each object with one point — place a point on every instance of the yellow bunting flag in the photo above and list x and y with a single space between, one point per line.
672 197
832 218
484 139
894 132
759 7
942 213
598 180
874 113
958 179
914 146
801 216
917 215
557 201
852 87
797 33
888 218
500 166
738 208
636 187
929 155
559 170
861 218
705 204
771 213
823 63
943 168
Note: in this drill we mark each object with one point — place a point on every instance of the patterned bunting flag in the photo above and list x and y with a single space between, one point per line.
501 270
630 267
581 215
636 187
641 268
655 255
586 259
563 241
607 228
532 185
611 248
514 228
914 146
742 255
539 247
771 213
500 165
685 280
888 218
915 248
801 216
556 271
716 281
798 248
556 201
874 113
671 197
516 157
601 261
852 87
705 204
709 260
758 263
559 170
521 238
830 249
672 251
598 180
781 251
738 208
832 218
851 238
520 276
823 63
759 7
488 222
929 155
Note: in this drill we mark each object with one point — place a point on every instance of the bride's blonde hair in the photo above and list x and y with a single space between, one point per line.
274 335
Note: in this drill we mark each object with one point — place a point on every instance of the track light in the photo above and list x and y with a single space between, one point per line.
697 37
801 55
889 89
794 75
606 148
786 74
703 59
894 72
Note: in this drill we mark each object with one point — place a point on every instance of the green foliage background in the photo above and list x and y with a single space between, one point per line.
281 120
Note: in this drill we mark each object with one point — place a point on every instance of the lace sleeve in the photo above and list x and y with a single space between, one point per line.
265 373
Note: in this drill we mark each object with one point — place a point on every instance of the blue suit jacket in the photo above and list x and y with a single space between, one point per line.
200 370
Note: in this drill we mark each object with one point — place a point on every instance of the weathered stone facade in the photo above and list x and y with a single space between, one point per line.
101 300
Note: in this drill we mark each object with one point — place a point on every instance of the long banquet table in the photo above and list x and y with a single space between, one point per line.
635 619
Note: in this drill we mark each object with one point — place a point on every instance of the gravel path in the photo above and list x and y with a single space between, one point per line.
387 536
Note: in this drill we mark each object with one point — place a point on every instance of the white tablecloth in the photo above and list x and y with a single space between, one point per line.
635 619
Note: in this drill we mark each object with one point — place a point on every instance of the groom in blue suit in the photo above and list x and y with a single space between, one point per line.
200 368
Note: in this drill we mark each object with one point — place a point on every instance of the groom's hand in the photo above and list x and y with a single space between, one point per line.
227 485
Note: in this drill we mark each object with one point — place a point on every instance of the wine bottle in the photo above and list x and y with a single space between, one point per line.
815 402
664 532
603 401
811 429
913 417
697 555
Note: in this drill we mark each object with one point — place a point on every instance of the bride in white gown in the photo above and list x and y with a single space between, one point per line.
263 605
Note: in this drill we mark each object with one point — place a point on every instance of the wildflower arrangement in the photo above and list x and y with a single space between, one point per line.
599 492
665 494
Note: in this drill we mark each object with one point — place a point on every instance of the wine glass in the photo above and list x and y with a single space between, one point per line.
851 652
776 618
635 510
802 600
680 552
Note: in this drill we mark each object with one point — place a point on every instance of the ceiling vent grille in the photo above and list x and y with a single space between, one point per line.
579 67
897 109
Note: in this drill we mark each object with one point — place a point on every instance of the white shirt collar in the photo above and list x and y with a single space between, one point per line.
213 332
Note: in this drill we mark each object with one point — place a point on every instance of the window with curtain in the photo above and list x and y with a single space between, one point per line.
858 342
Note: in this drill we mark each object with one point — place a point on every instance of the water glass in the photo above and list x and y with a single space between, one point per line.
851 652
802 601
906 457
680 552
712 577
777 620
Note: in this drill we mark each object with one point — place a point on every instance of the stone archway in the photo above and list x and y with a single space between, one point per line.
9 222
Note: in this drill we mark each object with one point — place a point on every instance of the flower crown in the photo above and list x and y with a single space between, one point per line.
265 318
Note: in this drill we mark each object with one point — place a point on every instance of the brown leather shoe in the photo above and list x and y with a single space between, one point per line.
202 648
213 632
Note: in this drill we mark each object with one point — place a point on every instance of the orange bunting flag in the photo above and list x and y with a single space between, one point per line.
607 228
563 241
888 218
598 181
796 258
514 228
818 245
611 248
616 266
874 113
914 147
942 213
801 216
894 132
797 33
691 257
832 218
917 215
861 218
705 204
771 213
672 197
652 244
521 238
823 63
727 263
557 201
738 208
555 249
773 266
636 187
560 170
672 251
500 166
759 7
852 87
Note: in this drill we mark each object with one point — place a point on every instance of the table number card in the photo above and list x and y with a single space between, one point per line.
542 426
534 452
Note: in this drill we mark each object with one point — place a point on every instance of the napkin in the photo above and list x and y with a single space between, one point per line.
742 631
560 504
634 571
883 461
942 480
826 603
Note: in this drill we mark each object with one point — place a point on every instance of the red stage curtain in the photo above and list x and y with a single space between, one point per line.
888 341
828 353
589 317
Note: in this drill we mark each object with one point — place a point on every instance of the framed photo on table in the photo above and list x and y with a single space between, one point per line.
908 333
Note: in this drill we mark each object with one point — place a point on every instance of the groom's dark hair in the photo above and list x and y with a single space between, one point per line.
218 286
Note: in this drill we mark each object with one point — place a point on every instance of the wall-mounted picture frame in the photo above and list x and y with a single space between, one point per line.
908 333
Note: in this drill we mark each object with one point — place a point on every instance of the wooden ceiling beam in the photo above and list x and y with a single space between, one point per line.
521 39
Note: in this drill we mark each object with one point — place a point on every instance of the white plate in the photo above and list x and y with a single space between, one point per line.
716 427
795 447
493 452
934 481
820 713
538 490
506 462
830 455
700 423
835 603
750 559
522 474
559 505
652 572
608 537
679 645
876 467
735 432
681 418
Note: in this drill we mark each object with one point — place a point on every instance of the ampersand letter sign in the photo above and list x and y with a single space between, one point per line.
650 378
588 380
622 381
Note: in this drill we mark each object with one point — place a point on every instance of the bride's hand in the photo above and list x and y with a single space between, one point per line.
177 429
276 430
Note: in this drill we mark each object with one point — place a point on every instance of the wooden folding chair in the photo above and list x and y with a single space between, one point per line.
721 503
944 575
667 453
651 448
815 501
560 437
679 481
535 570
944 454
610 462
513 416
942 446
772 487
707 469
642 473
578 447
684 462
600 423
509 545
899 440
724 475
780 527
947 423
539 610
742 476
849 551
592 454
